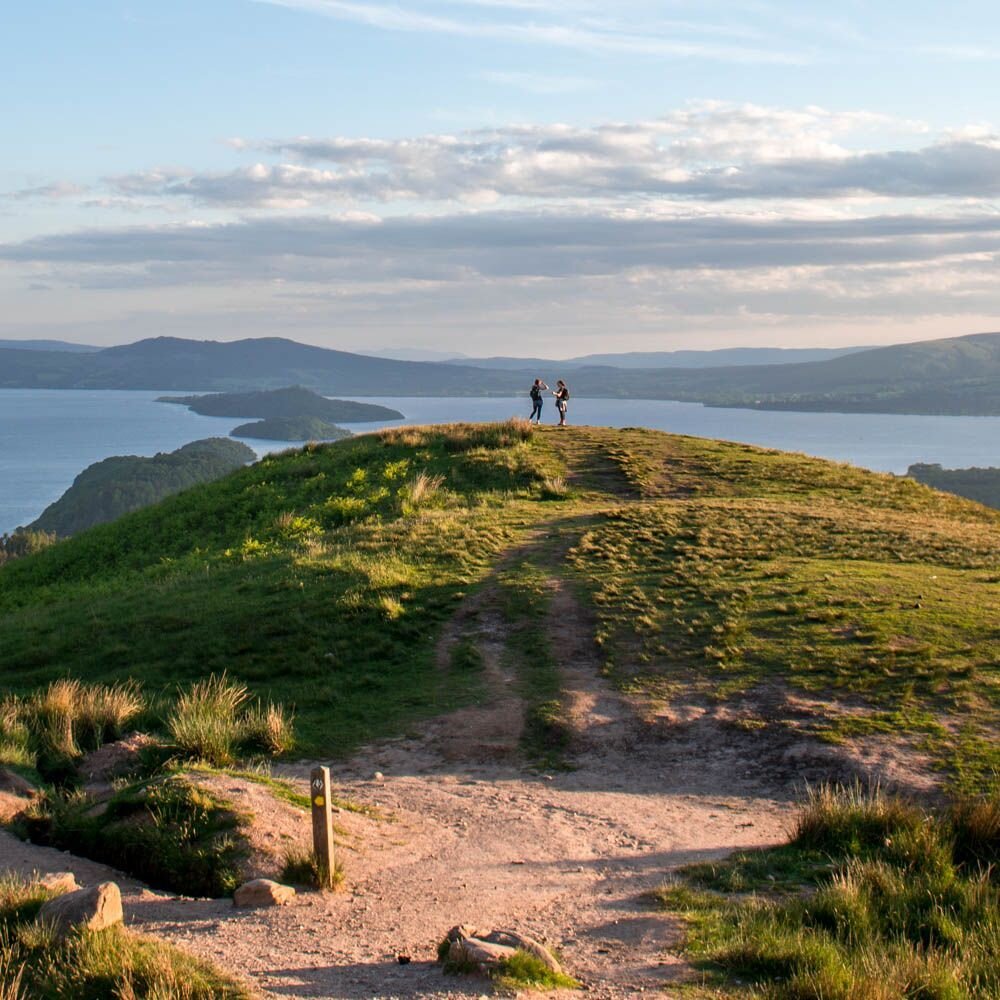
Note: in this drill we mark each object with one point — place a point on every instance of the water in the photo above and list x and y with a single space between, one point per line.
47 436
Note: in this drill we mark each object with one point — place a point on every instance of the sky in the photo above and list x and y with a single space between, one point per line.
500 177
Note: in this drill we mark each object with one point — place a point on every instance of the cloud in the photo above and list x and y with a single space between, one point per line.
603 34
55 191
711 151
526 245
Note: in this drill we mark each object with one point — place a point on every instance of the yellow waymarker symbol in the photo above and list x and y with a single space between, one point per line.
318 801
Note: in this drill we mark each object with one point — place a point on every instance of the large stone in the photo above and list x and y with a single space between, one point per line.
263 892
474 949
89 909
59 882
521 942
470 951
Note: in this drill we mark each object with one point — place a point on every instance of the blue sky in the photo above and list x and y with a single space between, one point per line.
500 176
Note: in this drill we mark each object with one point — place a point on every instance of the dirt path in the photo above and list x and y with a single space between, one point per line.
467 834
566 857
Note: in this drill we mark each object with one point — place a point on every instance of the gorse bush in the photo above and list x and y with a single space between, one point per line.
214 721
905 907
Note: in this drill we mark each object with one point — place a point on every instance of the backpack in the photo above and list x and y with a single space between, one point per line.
536 393
565 393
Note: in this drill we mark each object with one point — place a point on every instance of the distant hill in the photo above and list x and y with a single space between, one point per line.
726 357
294 401
166 363
115 486
981 485
290 429
48 345
959 375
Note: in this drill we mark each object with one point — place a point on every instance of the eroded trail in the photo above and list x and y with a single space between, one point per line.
468 833
472 829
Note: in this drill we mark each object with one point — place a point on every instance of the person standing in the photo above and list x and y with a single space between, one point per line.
536 400
562 398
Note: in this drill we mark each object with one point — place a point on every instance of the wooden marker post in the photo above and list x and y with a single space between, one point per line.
322 817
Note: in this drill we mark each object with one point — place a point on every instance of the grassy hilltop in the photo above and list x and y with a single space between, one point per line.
842 603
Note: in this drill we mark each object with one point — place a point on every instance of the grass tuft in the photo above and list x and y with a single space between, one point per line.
904 909
113 964
303 868
526 971
212 721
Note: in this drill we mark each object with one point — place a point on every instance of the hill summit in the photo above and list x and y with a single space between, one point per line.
797 598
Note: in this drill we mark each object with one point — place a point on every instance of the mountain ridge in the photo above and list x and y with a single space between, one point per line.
958 375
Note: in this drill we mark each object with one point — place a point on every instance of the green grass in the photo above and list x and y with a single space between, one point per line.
165 831
321 579
745 567
526 971
873 898
303 868
524 598
114 964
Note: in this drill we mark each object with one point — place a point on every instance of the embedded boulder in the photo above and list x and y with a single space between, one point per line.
263 892
468 950
89 909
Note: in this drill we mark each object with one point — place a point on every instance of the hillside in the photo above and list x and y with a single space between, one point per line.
721 358
795 598
959 375
170 363
294 401
123 483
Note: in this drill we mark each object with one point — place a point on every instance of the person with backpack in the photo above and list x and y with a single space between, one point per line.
562 398
536 400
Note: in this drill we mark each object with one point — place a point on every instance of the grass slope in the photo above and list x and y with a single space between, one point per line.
717 574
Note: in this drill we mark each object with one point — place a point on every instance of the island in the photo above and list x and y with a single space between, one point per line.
123 483
294 401
290 429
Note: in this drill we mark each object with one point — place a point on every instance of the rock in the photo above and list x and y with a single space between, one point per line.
482 954
11 781
11 805
92 909
521 942
263 892
59 882
485 951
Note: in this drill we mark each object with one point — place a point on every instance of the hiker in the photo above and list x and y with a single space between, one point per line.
536 400
562 397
